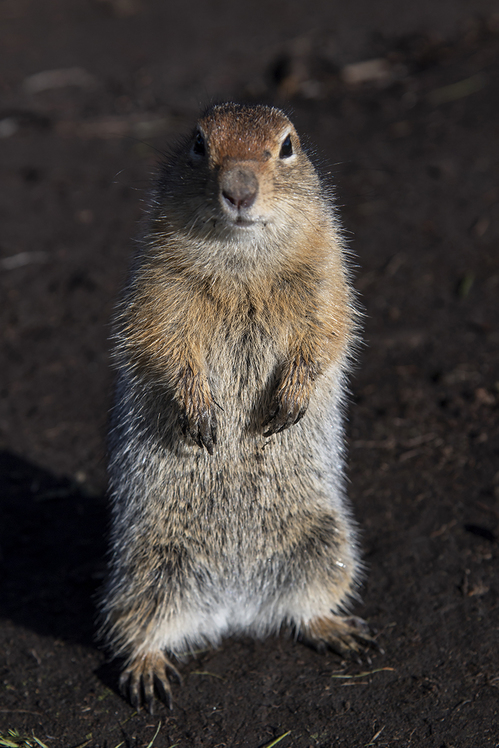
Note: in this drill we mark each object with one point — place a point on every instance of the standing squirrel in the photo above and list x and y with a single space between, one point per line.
232 344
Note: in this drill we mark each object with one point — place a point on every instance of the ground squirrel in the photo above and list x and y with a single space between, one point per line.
232 343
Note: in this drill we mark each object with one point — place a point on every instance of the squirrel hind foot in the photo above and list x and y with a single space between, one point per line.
348 636
145 679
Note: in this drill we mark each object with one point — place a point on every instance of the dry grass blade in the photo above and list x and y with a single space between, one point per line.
278 740
207 672
375 737
155 736
364 674
14 740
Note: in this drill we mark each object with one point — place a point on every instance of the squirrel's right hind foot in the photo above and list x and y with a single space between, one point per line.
146 678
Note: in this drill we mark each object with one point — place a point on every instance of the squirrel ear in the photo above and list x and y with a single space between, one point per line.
286 148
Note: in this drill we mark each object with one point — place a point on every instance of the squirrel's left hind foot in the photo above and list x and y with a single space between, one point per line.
348 636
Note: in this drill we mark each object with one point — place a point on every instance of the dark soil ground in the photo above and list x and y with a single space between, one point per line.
415 158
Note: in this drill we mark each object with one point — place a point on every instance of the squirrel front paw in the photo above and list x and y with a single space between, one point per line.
285 412
291 399
198 418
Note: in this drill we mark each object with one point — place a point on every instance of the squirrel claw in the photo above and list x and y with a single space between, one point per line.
145 679
291 399
348 636
197 410
202 429
282 418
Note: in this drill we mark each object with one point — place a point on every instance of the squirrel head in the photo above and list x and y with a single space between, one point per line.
242 172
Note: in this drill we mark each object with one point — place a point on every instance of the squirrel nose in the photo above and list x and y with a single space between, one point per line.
239 187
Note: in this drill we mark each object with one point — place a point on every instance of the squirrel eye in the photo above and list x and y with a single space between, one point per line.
199 147
286 148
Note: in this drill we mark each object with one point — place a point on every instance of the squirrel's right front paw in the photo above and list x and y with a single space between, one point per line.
198 419
201 426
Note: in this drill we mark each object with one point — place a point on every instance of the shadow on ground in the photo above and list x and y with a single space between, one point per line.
52 544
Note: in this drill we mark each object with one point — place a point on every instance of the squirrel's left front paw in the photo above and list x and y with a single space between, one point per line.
286 411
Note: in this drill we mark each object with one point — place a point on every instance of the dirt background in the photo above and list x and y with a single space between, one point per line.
414 155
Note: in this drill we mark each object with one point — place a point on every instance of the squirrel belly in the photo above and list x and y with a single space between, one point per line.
238 541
